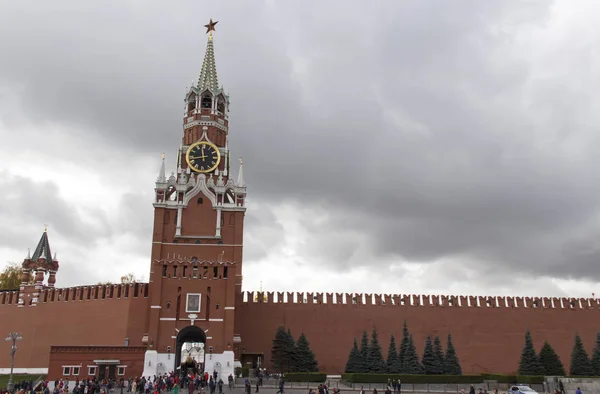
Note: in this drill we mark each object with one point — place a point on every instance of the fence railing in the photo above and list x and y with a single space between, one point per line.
380 387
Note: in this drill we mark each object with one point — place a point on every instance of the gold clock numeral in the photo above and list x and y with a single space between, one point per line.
202 168
213 163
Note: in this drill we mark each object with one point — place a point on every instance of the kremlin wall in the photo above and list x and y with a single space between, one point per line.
488 332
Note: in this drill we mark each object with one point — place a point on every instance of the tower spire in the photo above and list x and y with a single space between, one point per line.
42 251
162 177
208 75
240 180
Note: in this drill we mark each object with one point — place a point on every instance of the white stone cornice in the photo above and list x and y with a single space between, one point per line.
205 123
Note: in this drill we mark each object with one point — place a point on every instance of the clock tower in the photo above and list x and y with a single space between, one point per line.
196 262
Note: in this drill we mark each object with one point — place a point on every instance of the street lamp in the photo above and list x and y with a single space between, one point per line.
13 337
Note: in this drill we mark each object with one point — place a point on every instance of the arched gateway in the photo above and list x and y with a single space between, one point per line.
191 334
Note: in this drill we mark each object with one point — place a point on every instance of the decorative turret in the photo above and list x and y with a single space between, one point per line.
40 263
162 178
240 181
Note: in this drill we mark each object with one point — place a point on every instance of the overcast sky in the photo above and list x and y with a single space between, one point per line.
445 147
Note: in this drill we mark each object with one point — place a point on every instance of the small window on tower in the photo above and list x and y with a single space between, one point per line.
221 107
200 200
164 272
225 272
191 103
206 102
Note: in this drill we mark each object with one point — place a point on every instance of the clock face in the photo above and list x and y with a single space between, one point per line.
203 157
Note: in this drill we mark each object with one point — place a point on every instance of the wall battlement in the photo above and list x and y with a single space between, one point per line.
72 294
419 300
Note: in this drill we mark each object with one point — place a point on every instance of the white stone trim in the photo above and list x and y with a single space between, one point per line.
70 368
215 319
178 228
187 300
201 122
168 319
200 187
25 371
155 307
229 307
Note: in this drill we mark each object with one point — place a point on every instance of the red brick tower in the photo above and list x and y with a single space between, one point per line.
34 269
196 264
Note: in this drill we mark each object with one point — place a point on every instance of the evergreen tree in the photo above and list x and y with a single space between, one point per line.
596 356
428 357
580 362
364 352
291 343
353 365
403 347
282 351
412 365
375 361
451 362
550 361
305 358
393 361
438 354
530 365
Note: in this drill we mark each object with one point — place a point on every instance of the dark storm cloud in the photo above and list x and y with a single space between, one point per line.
28 204
419 130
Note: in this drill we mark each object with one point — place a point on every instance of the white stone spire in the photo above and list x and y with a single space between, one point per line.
162 178
240 180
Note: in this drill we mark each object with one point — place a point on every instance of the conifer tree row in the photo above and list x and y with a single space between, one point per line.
368 358
546 363
287 355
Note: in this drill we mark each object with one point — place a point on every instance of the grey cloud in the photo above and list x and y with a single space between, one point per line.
421 128
27 205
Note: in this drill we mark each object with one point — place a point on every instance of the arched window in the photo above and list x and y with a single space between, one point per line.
192 103
206 102
221 106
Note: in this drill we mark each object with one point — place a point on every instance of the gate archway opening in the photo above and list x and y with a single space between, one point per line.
194 339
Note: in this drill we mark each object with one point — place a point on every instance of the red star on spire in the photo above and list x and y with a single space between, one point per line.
211 26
